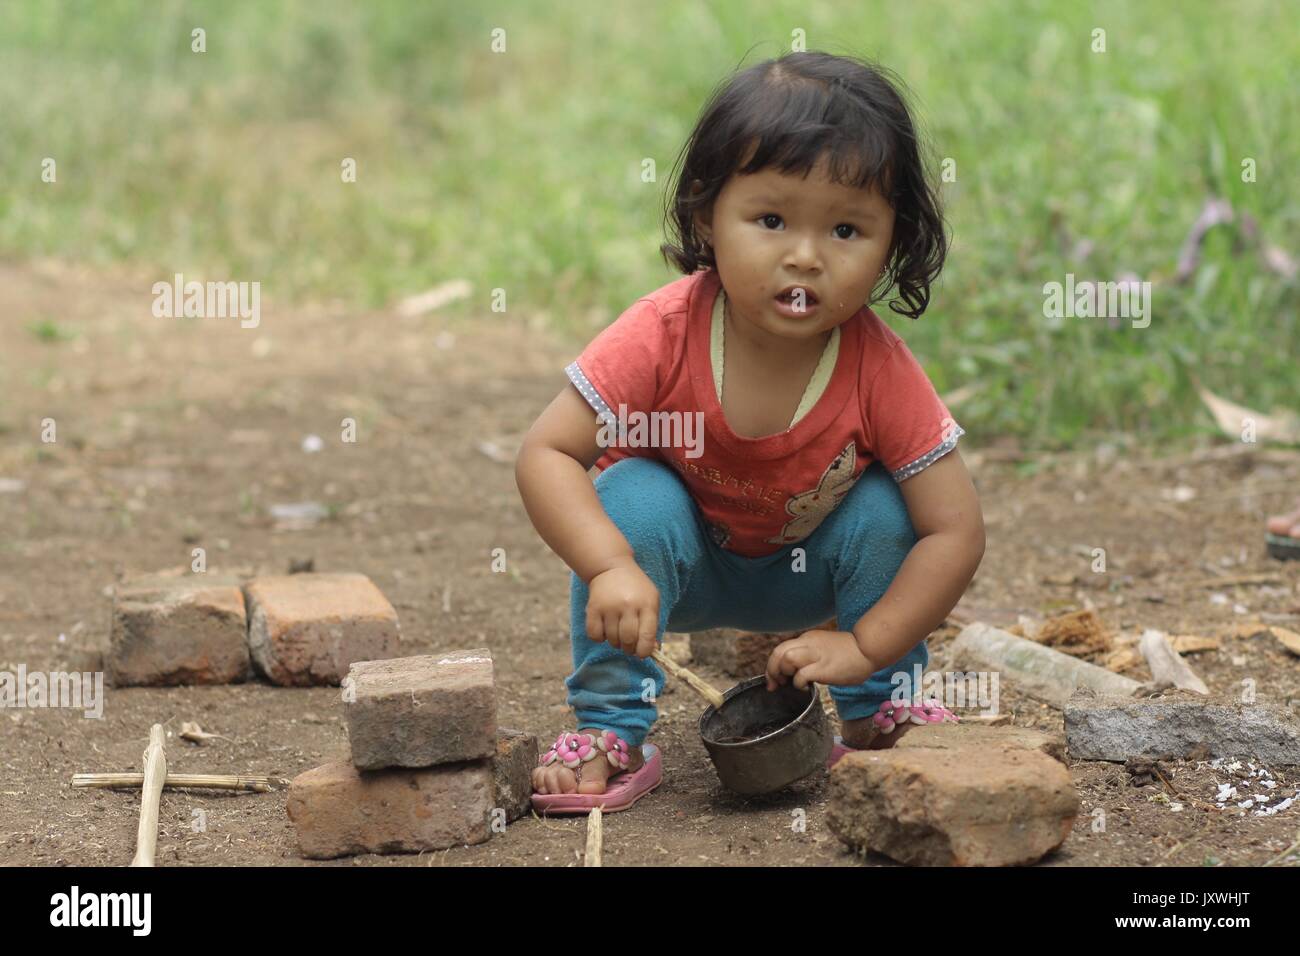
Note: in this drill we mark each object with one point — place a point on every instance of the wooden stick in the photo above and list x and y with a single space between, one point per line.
1241 579
697 684
215 781
155 772
595 838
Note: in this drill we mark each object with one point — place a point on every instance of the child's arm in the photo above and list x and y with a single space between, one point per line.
945 513
551 473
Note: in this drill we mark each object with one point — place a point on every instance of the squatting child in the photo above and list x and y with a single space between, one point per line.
825 481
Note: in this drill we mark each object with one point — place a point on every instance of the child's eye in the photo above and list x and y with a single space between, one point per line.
770 215
845 225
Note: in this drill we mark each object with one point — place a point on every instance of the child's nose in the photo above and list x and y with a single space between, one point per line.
803 254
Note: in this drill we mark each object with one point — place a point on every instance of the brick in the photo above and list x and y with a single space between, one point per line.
178 630
423 710
999 806
307 629
512 772
1179 725
338 810
958 736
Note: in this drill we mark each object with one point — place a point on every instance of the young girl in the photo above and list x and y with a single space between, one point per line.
824 481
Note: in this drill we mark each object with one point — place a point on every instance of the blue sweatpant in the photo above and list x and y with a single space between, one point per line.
850 559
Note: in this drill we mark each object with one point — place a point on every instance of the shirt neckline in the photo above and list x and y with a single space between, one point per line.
817 418
817 382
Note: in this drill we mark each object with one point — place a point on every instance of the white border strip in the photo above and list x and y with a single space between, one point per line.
930 457
589 392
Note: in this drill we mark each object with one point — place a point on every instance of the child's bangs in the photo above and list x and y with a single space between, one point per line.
801 133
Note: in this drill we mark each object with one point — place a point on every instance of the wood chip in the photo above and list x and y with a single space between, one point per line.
1194 643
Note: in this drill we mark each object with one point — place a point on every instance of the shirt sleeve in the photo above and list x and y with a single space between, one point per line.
623 364
910 427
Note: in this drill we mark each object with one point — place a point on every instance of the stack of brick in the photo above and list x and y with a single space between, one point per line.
429 767
295 630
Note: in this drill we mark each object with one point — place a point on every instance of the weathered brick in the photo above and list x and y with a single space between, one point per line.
178 630
954 736
423 710
306 629
338 810
512 772
970 806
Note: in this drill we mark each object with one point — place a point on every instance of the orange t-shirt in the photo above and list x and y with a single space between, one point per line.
757 495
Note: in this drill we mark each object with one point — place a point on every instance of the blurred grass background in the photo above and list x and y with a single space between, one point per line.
522 170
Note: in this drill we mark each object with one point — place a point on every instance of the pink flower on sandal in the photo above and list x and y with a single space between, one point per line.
615 749
571 749
891 715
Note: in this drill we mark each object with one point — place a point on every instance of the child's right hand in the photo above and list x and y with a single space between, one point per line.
623 609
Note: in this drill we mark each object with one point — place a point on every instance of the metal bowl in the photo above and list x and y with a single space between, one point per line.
799 741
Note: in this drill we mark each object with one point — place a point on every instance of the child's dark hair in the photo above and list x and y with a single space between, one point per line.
796 108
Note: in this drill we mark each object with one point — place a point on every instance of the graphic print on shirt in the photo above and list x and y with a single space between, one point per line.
811 507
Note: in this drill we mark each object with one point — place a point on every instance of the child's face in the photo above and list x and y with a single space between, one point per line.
770 230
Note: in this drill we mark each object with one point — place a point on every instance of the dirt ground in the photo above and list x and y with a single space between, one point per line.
173 434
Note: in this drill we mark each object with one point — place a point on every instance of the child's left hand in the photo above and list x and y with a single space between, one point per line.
827 657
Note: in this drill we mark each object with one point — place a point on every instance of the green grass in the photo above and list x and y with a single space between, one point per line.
49 330
521 170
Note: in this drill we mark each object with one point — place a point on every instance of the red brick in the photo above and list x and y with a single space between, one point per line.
306 629
423 710
183 630
338 810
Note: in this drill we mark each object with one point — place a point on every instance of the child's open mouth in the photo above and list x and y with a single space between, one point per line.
795 297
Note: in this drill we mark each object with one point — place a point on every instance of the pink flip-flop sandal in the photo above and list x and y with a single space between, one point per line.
623 789
890 716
